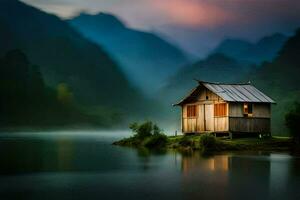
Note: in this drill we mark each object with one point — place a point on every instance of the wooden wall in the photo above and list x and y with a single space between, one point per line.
250 125
261 110
204 100
259 122
221 124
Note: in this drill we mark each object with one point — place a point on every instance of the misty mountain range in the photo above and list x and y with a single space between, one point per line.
109 67
145 58
265 49
64 55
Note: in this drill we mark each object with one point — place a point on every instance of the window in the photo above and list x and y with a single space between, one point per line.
192 111
248 109
220 110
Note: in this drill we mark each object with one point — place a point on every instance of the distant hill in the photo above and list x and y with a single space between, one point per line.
26 101
216 68
66 57
266 49
145 58
280 79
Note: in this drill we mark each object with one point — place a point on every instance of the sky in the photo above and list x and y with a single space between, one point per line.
195 25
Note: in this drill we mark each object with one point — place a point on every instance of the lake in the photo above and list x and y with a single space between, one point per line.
84 165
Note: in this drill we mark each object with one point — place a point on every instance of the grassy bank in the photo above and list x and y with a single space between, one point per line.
223 144
211 144
149 135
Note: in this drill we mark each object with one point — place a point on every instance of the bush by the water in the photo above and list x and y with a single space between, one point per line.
207 142
145 129
147 134
156 140
292 121
186 141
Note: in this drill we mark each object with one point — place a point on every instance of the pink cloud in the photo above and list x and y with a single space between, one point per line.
192 12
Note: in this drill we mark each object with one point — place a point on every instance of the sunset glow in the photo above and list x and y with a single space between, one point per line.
189 21
191 13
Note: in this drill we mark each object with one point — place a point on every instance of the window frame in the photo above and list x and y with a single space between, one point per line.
191 111
248 109
218 112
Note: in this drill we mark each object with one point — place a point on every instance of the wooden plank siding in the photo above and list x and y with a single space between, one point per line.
233 121
221 124
249 125
205 106
260 110
258 123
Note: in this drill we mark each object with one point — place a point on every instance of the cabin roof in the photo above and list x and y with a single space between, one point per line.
244 92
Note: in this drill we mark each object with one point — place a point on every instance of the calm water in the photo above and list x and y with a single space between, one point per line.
84 165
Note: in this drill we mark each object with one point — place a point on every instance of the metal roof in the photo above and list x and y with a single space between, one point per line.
234 92
238 92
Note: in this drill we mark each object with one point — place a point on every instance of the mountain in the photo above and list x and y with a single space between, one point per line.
66 57
26 101
145 58
280 79
215 68
265 49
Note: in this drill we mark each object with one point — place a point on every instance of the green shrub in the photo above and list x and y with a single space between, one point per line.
148 134
143 130
157 140
292 121
207 142
156 130
186 141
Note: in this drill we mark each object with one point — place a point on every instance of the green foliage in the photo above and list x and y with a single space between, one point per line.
186 141
146 134
292 121
207 142
64 94
157 140
156 130
145 129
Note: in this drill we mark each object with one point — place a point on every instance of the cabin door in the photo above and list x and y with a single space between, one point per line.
209 117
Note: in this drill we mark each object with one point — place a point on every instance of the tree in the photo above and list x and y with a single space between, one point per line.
292 121
64 94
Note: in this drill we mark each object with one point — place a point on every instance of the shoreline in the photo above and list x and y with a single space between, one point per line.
187 143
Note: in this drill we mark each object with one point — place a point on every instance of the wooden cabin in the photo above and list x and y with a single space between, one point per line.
226 108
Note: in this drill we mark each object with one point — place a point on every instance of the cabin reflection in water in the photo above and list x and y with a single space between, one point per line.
202 175
196 162
234 176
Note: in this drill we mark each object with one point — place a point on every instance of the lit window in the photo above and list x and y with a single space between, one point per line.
248 109
220 110
192 111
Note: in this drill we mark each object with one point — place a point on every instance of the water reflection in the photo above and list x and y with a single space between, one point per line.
77 168
196 161
203 175
65 154
238 176
19 155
